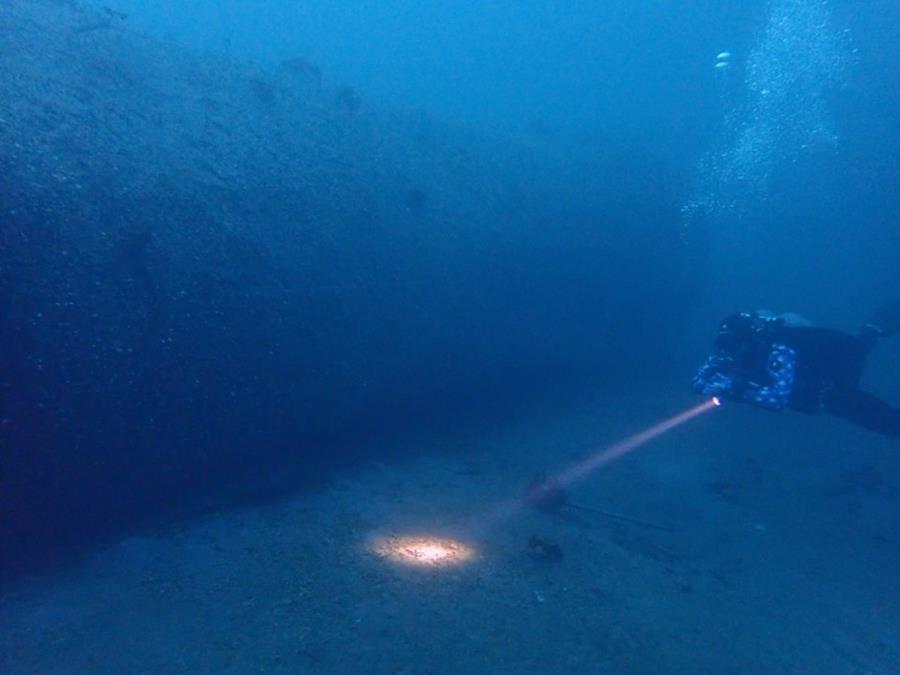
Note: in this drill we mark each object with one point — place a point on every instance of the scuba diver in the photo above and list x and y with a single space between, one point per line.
778 362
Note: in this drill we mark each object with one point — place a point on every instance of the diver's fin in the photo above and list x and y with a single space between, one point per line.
886 321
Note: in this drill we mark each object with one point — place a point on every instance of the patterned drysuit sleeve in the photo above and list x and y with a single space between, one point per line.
712 378
781 367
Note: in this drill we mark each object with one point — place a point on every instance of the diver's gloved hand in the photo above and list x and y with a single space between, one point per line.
719 377
717 384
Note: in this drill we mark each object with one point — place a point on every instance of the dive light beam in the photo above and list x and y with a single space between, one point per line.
622 448
596 460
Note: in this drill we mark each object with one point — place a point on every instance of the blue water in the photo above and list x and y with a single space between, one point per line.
247 248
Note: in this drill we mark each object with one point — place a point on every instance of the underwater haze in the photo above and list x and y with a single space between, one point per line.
359 336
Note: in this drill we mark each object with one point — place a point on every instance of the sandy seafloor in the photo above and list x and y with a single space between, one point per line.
783 557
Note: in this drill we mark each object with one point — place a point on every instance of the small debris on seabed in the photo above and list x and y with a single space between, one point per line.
541 549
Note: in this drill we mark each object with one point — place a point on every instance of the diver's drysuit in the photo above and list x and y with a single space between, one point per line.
762 360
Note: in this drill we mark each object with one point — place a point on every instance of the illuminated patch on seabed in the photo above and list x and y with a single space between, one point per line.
428 551
422 551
